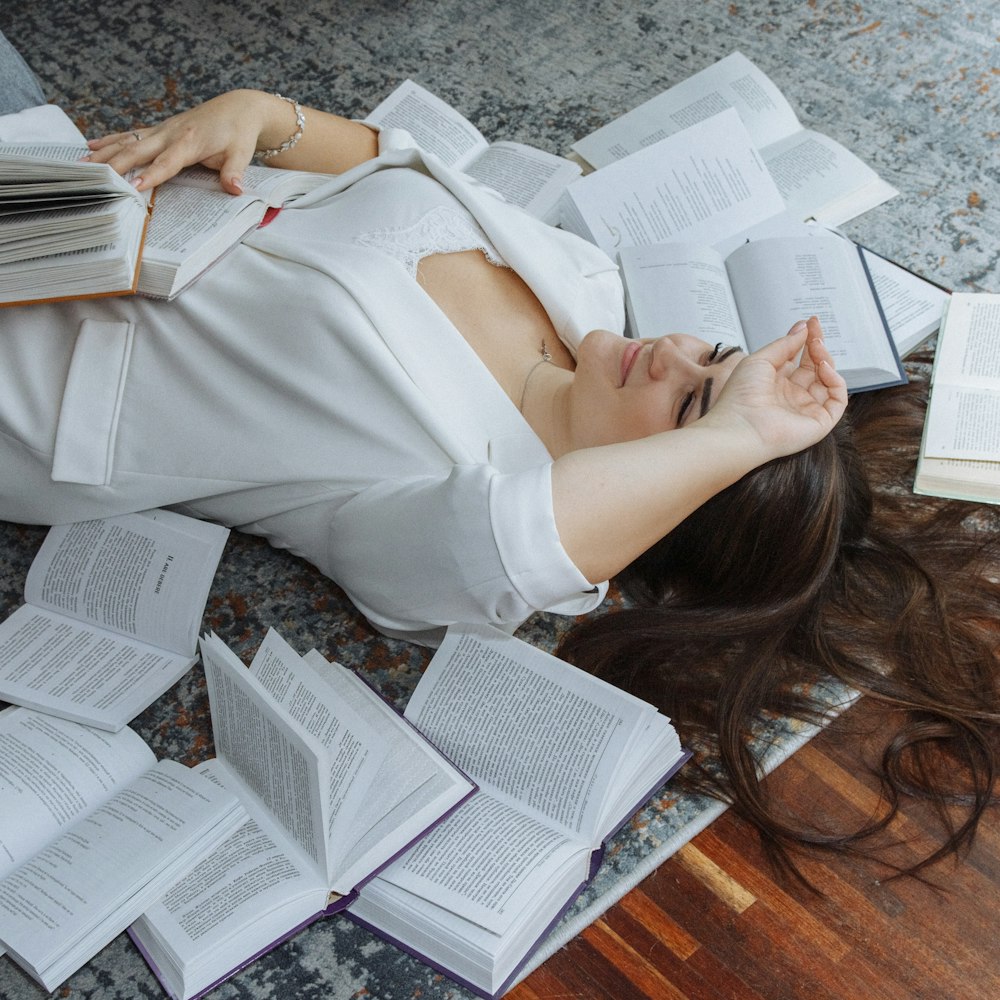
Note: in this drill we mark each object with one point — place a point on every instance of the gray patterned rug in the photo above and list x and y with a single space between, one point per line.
913 90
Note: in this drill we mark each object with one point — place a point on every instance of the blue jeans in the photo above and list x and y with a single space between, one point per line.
19 88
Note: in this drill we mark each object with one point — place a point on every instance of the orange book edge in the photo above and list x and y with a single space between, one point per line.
85 296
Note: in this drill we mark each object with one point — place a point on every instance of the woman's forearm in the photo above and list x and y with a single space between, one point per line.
227 132
328 144
614 502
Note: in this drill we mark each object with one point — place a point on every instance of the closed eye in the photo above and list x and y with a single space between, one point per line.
685 406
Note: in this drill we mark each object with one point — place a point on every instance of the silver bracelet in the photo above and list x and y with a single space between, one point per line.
300 127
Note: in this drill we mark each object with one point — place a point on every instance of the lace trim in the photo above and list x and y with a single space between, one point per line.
443 229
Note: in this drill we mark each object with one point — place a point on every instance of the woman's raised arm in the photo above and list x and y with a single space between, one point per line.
613 502
226 132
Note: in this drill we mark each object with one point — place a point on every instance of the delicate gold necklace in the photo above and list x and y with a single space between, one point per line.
546 358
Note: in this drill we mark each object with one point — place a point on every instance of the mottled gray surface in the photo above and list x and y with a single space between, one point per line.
911 89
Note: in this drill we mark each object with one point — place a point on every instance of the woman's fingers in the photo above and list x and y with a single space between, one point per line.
785 350
162 151
122 150
116 138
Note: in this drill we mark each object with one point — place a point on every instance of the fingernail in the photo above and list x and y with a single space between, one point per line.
238 184
799 327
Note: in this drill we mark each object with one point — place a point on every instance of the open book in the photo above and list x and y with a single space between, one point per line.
337 784
912 305
524 175
756 293
704 185
562 760
818 177
960 450
92 830
68 228
100 244
111 618
196 222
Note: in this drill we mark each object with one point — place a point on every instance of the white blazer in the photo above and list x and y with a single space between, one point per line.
302 390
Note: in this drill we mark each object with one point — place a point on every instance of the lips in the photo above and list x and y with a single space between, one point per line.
629 355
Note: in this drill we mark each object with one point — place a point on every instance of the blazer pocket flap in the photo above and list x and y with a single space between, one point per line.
91 403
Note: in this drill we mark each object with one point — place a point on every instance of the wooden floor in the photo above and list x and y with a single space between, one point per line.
714 922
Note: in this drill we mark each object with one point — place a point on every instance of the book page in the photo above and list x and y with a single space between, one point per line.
435 125
486 862
145 575
50 167
270 184
417 784
52 772
963 416
699 187
196 223
913 307
777 282
107 267
278 764
963 423
958 478
968 351
49 177
525 176
819 178
76 671
733 82
64 904
526 725
186 218
680 288
252 890
65 229
355 749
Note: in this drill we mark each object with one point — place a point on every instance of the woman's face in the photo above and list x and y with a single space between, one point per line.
627 389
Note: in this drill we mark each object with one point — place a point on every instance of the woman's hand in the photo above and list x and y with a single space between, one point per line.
225 132
771 405
785 406
221 134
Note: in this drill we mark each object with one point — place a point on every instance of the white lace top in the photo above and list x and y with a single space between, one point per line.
441 229
408 216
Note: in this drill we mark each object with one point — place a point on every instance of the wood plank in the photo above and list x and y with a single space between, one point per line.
647 979
700 976
642 909
719 882
716 921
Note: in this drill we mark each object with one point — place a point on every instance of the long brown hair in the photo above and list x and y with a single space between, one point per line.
821 565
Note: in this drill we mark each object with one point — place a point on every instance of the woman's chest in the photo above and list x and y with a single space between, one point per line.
495 312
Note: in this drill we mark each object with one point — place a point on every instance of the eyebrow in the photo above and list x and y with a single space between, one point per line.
706 397
706 391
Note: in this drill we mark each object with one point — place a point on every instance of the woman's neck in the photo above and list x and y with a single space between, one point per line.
546 406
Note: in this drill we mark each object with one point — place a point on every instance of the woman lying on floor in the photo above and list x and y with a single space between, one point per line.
426 393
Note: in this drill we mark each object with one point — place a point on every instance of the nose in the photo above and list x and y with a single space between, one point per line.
672 357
